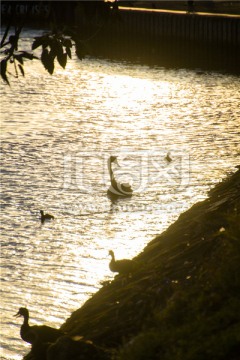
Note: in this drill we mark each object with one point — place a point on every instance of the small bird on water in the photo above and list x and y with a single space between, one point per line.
45 217
123 267
168 158
43 333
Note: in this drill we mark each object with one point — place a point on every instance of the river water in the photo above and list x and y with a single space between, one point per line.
57 134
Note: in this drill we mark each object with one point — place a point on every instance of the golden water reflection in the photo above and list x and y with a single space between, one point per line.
57 134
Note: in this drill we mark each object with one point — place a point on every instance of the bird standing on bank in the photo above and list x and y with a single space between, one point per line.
123 267
45 217
43 333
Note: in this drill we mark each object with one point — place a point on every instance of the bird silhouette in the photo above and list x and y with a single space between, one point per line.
117 189
123 266
168 158
45 217
42 333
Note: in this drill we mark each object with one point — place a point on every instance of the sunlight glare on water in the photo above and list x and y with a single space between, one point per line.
57 134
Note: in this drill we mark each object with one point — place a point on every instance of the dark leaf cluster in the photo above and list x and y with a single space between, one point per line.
54 46
11 54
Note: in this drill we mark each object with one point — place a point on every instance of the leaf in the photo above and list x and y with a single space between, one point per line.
5 35
37 42
62 59
21 69
67 43
3 66
47 61
69 53
3 71
57 47
52 53
79 51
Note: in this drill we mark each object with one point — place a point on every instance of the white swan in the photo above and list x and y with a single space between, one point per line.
117 189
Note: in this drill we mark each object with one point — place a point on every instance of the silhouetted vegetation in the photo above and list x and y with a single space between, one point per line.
56 43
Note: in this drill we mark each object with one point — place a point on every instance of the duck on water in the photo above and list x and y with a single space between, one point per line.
117 189
168 158
45 217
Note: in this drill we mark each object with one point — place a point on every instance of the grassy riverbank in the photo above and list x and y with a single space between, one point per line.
183 300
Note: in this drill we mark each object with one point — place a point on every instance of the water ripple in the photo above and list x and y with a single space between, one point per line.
57 134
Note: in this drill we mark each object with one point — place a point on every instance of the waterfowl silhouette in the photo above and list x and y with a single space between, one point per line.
123 267
168 158
42 333
45 217
117 189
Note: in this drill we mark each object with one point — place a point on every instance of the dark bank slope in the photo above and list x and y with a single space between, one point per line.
183 301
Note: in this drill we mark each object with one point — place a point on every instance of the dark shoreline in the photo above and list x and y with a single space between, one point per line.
170 263
183 297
